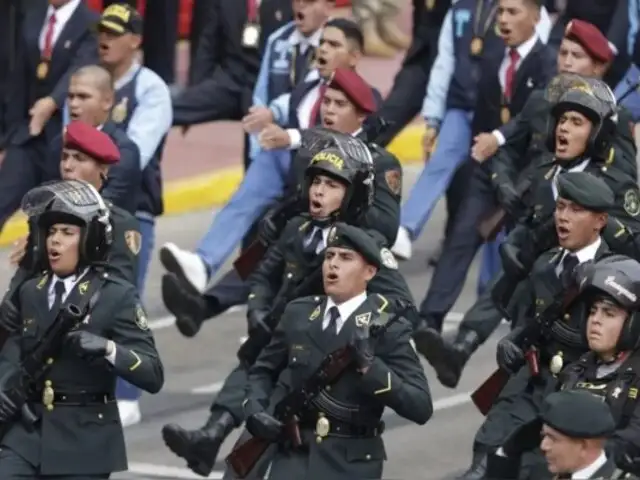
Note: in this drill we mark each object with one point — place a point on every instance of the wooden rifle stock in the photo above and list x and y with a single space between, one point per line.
490 226
247 261
244 456
485 395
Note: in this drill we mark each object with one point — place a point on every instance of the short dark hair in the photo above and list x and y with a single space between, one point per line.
535 3
350 29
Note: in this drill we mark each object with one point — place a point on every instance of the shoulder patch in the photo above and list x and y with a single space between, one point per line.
133 240
632 202
388 259
394 181
141 318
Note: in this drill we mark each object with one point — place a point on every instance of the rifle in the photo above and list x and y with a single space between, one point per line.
485 395
34 366
249 258
491 224
289 410
259 338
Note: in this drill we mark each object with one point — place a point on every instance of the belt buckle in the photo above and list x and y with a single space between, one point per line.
48 395
323 426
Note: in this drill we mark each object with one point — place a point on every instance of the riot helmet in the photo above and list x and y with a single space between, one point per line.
615 278
594 99
348 160
72 202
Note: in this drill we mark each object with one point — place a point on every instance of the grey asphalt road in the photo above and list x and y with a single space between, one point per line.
194 369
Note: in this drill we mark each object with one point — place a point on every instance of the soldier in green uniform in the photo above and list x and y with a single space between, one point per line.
578 136
87 155
580 216
611 368
77 433
572 432
341 430
338 187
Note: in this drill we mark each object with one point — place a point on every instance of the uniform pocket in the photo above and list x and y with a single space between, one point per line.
299 356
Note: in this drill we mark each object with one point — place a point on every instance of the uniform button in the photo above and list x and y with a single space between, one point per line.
100 416
368 457
604 169
293 359
49 361
47 383
318 439
328 388
289 275
567 316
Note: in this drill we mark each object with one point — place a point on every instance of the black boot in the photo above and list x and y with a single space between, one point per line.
478 466
502 468
200 447
188 307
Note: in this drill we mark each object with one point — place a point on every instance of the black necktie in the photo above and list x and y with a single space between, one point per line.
59 290
569 263
312 246
301 62
334 315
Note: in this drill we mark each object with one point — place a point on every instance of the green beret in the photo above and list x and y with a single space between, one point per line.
347 236
586 190
578 414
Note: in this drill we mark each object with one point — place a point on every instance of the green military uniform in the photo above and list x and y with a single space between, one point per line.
520 400
526 136
79 432
575 414
123 255
341 430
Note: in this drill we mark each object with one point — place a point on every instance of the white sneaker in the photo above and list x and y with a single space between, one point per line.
185 264
402 247
129 412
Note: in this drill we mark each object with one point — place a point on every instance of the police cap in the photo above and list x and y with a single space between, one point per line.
91 141
121 18
578 414
586 190
353 238
355 88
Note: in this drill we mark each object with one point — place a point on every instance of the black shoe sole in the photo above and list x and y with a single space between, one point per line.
175 295
433 347
171 265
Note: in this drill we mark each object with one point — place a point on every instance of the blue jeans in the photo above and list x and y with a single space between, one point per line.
124 390
454 141
262 185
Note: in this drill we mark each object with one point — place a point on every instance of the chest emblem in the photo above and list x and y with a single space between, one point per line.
119 112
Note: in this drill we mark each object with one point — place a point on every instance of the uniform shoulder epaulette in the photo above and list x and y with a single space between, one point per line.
309 300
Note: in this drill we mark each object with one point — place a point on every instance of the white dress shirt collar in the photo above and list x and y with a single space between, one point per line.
69 282
589 471
524 48
585 254
63 14
313 40
346 309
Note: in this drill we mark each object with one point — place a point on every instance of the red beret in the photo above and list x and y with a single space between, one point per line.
591 39
92 142
355 88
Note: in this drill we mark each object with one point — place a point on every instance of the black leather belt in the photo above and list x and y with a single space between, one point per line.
336 428
75 398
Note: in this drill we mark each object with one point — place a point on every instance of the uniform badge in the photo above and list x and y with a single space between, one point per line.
43 281
632 202
251 35
43 70
133 240
394 181
83 287
141 318
388 260
332 235
363 320
315 314
119 112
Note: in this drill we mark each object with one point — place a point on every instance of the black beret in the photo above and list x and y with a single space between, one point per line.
347 236
586 190
578 414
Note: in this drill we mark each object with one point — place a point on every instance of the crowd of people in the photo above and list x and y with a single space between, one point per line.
530 110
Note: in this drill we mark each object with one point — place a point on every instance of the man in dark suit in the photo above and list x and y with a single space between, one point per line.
504 87
226 65
400 107
90 100
56 39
